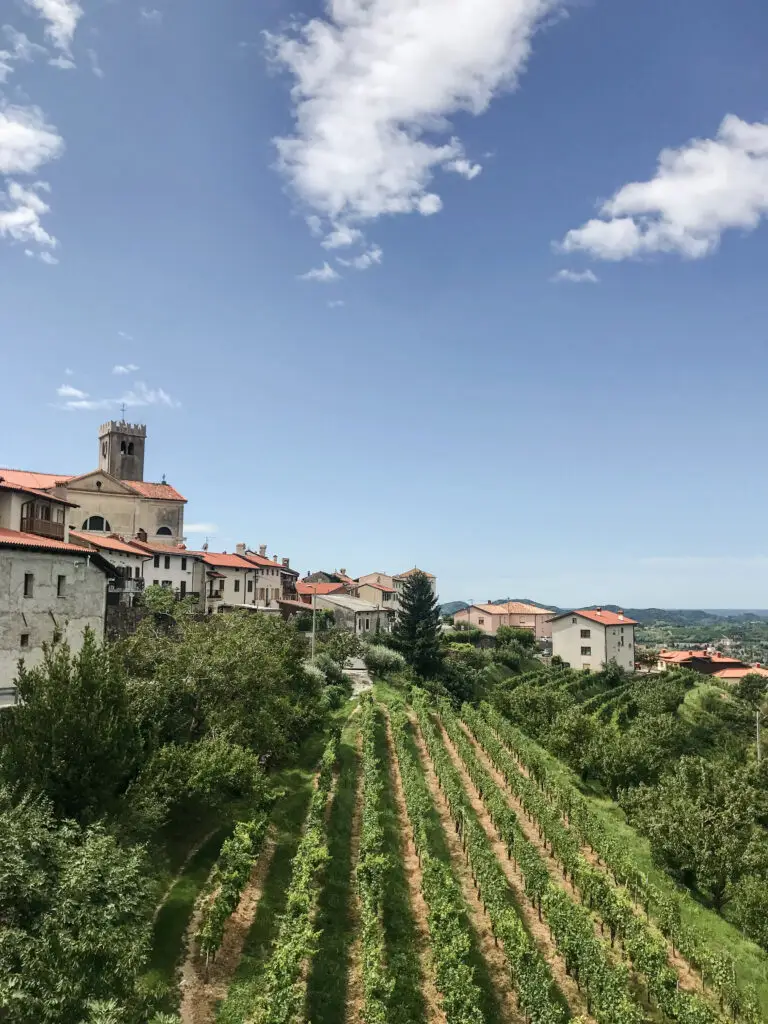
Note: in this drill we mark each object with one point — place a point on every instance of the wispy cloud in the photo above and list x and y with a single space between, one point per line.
699 191
47 257
376 81
96 68
61 17
136 397
64 63
20 212
341 236
69 373
201 528
26 140
67 391
19 48
151 15
336 303
125 336
576 277
324 274
128 368
365 260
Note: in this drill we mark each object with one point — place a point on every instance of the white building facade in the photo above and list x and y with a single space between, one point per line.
590 639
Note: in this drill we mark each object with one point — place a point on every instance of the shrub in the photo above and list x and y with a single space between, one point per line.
334 676
381 660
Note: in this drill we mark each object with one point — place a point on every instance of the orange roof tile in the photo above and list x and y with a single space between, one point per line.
604 617
222 558
160 549
109 543
39 480
5 485
521 608
318 588
147 490
739 673
376 586
262 560
410 572
14 538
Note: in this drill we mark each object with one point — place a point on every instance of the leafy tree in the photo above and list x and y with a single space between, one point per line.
73 736
159 599
416 633
749 907
76 909
524 638
753 689
700 823
341 645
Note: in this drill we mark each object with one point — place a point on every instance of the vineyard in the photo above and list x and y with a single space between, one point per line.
435 867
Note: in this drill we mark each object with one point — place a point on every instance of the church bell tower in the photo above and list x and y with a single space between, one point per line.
121 449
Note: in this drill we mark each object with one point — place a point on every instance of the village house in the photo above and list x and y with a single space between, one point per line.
376 593
708 663
399 581
517 614
176 568
305 589
276 579
114 498
128 561
358 616
590 639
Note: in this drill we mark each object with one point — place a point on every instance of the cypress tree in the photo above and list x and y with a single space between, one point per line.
416 634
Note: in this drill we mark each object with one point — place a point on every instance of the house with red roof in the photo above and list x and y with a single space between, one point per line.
591 638
516 614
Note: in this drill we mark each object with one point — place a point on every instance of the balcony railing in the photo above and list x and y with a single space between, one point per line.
217 595
126 585
42 527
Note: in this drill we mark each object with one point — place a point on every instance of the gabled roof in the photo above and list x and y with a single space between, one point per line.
410 572
521 608
269 563
159 491
222 558
16 539
376 586
5 485
739 673
43 481
487 609
161 549
38 480
599 615
109 543
319 588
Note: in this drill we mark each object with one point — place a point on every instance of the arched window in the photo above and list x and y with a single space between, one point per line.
164 531
130 447
97 524
122 447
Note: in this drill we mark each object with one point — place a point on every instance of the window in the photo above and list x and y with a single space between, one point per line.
586 652
157 561
629 646
29 584
155 583
182 588
137 572
573 620
250 586
122 448
130 447
237 586
166 583
61 583
24 640
165 531
367 623
96 524
167 562
183 565
622 629
104 449
480 621
261 593
586 634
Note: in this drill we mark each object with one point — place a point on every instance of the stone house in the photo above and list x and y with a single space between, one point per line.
358 616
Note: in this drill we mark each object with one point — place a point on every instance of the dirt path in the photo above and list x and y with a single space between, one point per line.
203 988
180 871
492 953
689 978
537 929
531 832
432 1002
355 989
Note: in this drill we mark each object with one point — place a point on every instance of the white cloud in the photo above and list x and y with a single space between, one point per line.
364 261
93 57
62 62
200 528
465 168
125 336
61 16
701 190
325 274
151 15
335 303
376 82
120 370
26 141
138 396
69 373
576 276
341 236
67 391
46 257
20 219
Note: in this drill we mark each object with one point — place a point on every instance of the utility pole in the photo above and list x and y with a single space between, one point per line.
314 623
757 721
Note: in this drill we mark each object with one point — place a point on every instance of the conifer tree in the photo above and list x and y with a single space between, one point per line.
416 633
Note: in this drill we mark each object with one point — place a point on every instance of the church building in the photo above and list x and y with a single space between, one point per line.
115 497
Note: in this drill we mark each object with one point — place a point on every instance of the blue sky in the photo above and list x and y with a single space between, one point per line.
444 398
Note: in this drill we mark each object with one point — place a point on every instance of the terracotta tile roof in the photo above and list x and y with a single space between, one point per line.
410 572
521 608
739 673
5 485
160 549
14 538
27 479
604 617
109 543
222 558
345 579
681 657
262 560
319 588
148 490
376 586
487 609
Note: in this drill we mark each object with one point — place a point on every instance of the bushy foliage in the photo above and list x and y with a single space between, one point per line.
417 630
462 634
381 661
524 638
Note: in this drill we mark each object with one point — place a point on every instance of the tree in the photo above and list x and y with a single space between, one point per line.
416 634
73 736
525 638
341 645
753 689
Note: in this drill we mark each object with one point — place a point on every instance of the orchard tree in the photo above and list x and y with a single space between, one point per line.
417 630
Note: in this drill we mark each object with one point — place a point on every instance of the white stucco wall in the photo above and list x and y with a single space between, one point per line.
621 646
607 643
83 604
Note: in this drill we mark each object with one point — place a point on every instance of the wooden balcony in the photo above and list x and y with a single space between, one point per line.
42 527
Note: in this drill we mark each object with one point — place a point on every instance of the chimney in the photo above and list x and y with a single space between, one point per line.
599 611
240 549
287 563
342 572
263 550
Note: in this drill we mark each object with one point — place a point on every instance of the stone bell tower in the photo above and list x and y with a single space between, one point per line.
121 449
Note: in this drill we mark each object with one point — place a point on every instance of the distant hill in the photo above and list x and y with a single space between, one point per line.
646 616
